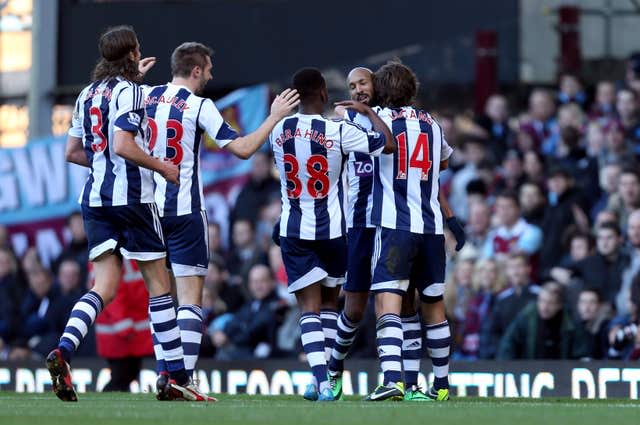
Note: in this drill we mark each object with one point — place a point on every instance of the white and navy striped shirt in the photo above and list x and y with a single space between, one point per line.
406 184
102 108
177 121
310 153
360 177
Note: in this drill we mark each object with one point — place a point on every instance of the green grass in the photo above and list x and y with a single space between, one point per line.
139 409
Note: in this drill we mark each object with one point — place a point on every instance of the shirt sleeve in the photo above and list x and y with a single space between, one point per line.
76 122
130 112
531 240
357 139
445 149
216 127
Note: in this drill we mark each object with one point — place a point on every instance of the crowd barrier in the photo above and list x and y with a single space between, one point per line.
534 379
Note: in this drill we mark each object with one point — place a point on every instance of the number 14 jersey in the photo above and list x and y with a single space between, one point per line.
310 153
406 184
177 121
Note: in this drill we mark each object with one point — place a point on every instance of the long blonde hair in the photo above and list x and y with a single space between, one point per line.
500 281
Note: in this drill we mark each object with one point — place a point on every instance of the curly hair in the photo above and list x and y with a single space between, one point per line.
395 84
115 44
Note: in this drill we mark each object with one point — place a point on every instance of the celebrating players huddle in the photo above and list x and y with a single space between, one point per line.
143 200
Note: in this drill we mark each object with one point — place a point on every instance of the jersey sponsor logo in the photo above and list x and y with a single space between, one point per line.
313 135
363 168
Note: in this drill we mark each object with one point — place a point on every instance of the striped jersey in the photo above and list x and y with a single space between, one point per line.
177 121
310 153
360 179
406 184
102 108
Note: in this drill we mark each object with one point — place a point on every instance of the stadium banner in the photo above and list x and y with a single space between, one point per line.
529 379
39 189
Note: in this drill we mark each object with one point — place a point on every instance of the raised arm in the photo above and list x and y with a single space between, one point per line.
245 146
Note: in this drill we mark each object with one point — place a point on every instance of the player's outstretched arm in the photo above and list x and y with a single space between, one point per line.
245 146
377 123
74 152
125 146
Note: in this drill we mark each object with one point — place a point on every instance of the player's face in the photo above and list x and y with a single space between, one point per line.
361 86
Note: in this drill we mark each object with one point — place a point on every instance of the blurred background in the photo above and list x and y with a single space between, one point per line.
540 99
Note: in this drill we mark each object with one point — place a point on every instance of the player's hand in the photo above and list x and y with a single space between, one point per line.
284 103
146 64
458 231
171 172
339 111
359 107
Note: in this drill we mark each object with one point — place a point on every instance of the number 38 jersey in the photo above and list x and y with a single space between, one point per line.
102 108
310 153
406 184
177 121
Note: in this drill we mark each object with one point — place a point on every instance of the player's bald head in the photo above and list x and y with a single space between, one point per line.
359 71
360 82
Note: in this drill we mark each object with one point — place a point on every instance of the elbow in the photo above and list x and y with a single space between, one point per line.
119 147
68 155
243 155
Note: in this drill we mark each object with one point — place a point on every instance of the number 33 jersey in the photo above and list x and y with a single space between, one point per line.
406 184
177 121
310 153
103 108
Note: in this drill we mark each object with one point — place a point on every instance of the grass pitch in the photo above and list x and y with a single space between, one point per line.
139 409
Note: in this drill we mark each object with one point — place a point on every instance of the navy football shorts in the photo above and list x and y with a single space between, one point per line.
308 262
402 257
133 229
187 243
360 252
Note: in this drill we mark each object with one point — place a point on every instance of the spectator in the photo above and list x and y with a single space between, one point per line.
78 248
633 268
511 174
574 158
532 202
4 237
624 334
544 330
534 167
542 125
477 227
628 197
520 292
604 107
627 106
565 209
245 253
603 270
474 152
261 187
571 91
488 281
595 143
594 317
494 122
228 298
69 279
633 72
216 250
12 291
616 147
579 246
571 116
457 295
609 181
514 234
43 312
251 332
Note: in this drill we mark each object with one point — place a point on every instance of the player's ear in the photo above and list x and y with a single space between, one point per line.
196 71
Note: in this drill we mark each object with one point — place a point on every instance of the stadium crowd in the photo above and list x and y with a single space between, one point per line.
550 195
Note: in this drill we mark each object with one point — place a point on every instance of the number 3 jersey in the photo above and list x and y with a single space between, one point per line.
406 184
177 121
310 153
102 108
